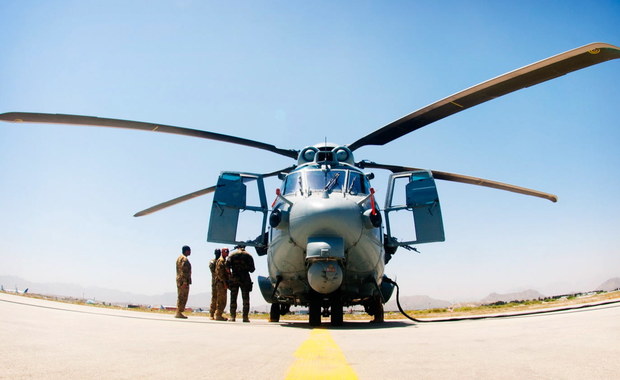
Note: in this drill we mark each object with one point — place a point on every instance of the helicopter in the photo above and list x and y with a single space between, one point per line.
326 239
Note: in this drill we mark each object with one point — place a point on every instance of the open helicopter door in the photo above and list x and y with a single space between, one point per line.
229 202
421 199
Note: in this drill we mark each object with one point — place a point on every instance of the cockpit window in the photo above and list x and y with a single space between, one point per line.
329 181
332 180
358 184
292 184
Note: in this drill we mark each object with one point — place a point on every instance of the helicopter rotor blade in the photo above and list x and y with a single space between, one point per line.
526 76
29 117
464 179
175 201
198 193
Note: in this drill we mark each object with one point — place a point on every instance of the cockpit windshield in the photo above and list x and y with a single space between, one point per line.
292 183
358 184
332 180
308 181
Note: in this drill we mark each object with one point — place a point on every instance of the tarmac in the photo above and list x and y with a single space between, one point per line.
52 340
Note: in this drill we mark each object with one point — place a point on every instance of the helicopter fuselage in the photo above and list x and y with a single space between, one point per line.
326 246
322 239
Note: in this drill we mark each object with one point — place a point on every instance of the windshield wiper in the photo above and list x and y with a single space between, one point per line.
352 184
332 182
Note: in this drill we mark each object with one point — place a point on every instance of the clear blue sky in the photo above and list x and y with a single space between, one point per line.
293 74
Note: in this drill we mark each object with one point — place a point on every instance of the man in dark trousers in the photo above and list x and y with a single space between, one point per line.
241 264
184 279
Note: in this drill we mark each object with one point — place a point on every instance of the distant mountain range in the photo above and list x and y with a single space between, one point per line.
102 294
417 302
520 296
609 285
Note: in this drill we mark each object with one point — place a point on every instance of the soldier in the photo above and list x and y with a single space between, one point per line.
217 253
241 265
184 279
221 277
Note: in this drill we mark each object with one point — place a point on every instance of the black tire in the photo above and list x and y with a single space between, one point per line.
274 312
378 310
337 314
314 310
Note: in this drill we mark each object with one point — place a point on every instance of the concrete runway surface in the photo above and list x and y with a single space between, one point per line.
46 339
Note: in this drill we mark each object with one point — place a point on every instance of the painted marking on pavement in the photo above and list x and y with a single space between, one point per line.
319 357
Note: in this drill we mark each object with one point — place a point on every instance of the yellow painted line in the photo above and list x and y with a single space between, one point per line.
319 357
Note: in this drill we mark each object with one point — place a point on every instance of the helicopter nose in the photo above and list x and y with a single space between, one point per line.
336 217
325 227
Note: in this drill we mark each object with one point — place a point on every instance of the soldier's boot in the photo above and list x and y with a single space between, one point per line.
246 312
179 315
212 316
219 317
233 317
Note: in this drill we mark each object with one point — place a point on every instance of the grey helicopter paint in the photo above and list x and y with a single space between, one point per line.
326 245
326 239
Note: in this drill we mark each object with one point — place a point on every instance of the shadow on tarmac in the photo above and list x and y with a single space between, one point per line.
349 325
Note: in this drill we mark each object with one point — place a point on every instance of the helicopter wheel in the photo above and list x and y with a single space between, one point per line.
336 311
314 309
274 312
377 307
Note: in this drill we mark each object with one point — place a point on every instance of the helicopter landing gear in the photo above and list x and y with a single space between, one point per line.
379 314
333 309
375 308
278 309
314 309
336 311
274 313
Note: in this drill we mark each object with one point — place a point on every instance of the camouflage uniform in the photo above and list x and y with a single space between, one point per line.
222 277
213 288
241 264
184 279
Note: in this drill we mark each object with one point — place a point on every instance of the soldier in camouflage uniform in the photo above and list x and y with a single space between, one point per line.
213 306
184 279
241 264
222 276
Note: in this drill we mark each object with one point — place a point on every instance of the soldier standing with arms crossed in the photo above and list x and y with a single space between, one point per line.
184 279
241 264
221 277
212 263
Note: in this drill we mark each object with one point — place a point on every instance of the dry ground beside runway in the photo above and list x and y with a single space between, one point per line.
457 311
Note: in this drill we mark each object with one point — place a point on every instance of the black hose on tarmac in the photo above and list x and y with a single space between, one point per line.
476 317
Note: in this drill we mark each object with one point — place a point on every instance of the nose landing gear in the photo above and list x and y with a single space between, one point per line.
336 312
314 309
332 308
